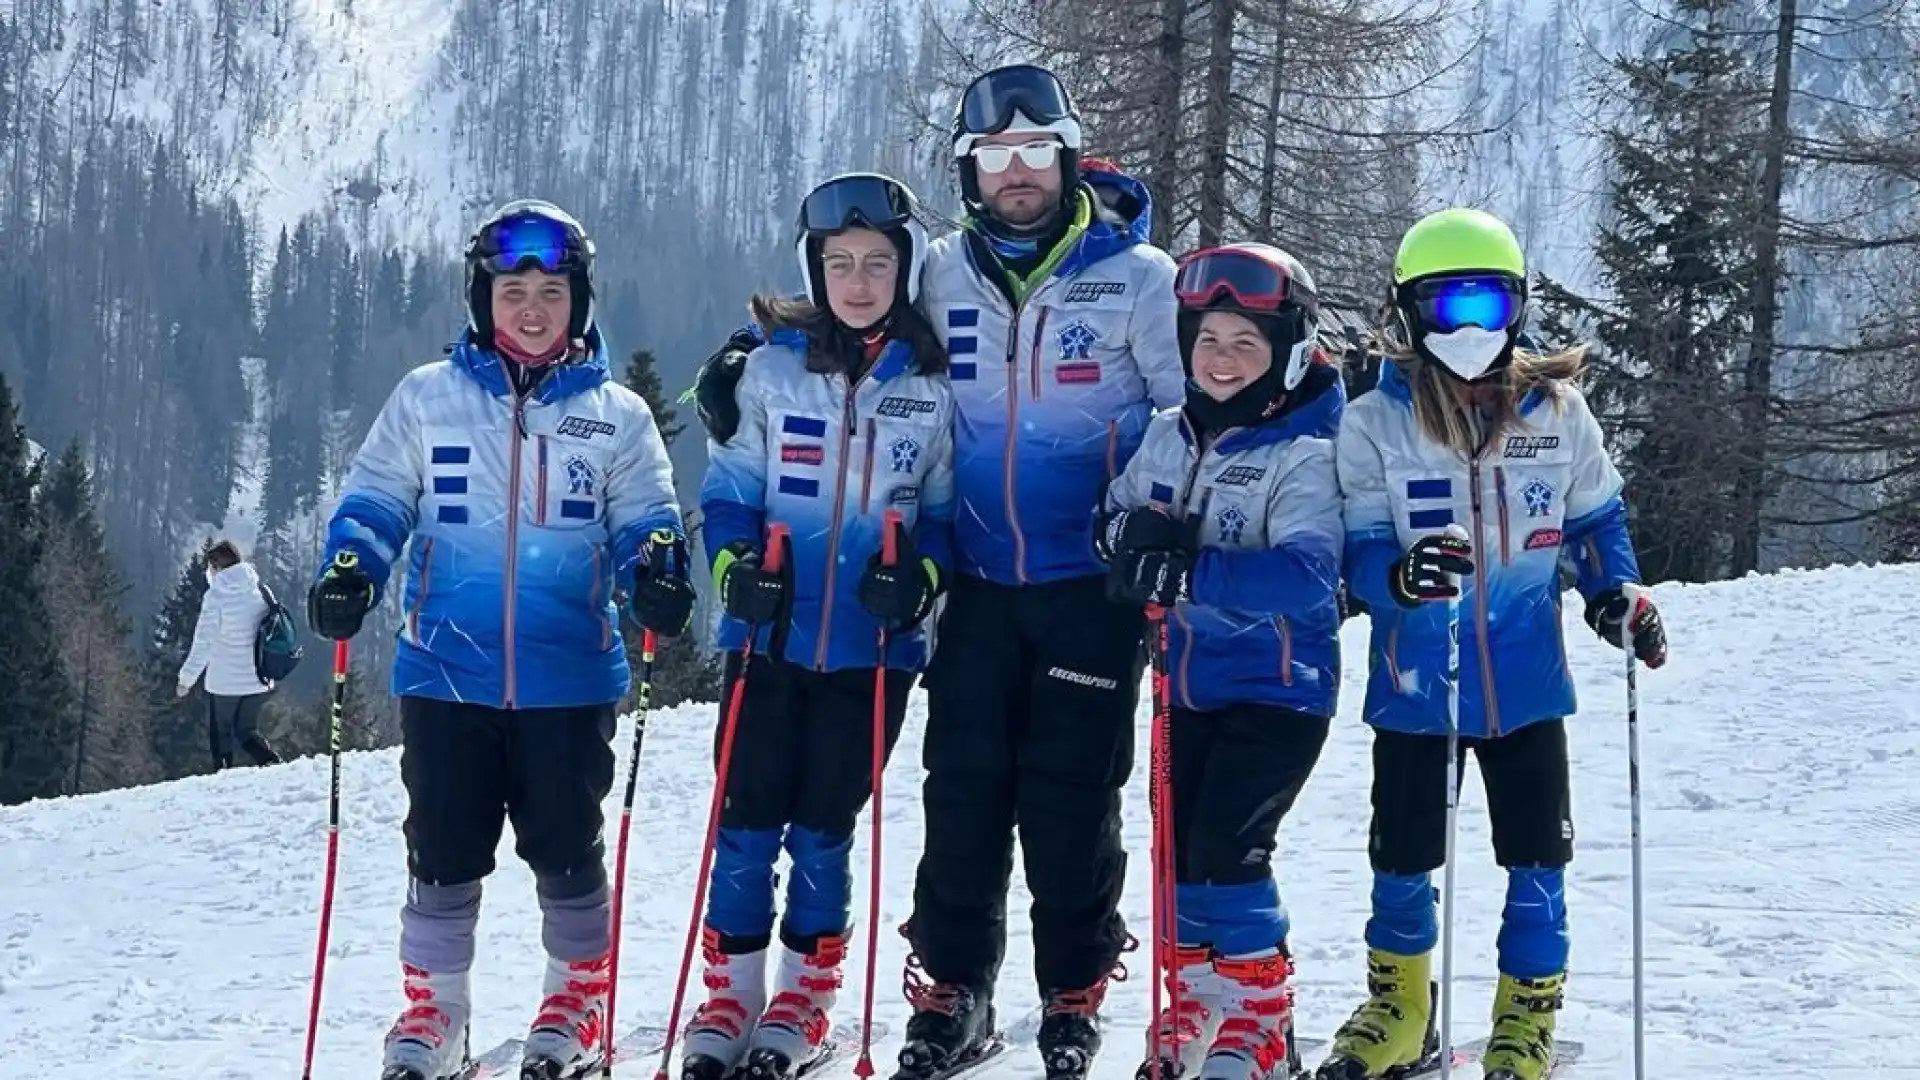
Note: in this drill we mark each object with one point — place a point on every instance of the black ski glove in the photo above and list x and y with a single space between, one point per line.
1145 528
1161 578
748 592
1423 574
662 599
713 388
902 594
1609 616
338 603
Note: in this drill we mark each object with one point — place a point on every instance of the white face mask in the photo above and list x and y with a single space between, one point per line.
1469 351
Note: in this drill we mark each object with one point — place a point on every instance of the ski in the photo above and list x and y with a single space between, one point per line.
841 1042
1565 1053
990 1050
504 1059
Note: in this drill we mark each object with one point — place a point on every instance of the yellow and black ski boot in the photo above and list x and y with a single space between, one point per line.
1521 1046
1391 1034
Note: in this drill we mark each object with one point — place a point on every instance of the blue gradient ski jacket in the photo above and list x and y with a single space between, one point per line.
518 517
1052 396
1544 487
1263 624
828 461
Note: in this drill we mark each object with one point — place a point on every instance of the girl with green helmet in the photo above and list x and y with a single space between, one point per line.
1465 479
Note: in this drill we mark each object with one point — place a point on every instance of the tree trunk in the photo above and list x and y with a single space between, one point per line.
1751 484
1219 113
1164 170
1270 154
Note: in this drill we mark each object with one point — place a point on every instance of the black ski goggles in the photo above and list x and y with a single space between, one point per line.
988 105
525 241
1252 282
845 202
1445 304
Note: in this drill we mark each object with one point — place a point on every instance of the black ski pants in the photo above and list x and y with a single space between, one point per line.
1236 773
468 768
1529 797
1030 724
233 726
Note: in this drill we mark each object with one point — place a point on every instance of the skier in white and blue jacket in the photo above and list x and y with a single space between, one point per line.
1228 520
845 431
524 487
1466 474
1058 316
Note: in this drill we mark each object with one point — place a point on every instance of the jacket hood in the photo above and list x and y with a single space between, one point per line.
1314 411
238 578
1122 217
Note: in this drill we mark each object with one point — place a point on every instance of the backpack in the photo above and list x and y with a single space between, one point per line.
276 644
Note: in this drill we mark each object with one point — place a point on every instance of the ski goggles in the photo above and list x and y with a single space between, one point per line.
1038 156
516 243
990 101
1254 283
842 203
1443 305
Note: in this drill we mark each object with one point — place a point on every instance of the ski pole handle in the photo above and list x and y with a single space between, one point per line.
891 525
777 537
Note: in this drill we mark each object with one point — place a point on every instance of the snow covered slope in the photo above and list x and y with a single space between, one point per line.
168 932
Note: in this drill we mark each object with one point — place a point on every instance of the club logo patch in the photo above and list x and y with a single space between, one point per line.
1240 475
1090 292
581 427
1529 446
580 477
1076 340
900 408
1231 523
904 454
1539 497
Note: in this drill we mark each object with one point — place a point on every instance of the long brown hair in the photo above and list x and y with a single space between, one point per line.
1469 416
832 347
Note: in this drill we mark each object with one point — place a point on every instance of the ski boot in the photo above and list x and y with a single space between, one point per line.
1392 1032
429 1041
569 1035
1069 1035
736 992
952 1025
1521 1046
793 1031
1179 1042
1256 1014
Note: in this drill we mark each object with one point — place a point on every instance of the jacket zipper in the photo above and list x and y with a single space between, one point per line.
1286 649
593 600
1487 694
1033 354
866 472
847 424
1500 492
516 432
1113 451
1013 437
420 592
540 486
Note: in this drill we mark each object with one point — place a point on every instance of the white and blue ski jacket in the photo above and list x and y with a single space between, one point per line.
829 461
1052 397
1263 624
519 517
1544 487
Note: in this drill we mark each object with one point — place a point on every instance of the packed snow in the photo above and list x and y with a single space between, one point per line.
169 932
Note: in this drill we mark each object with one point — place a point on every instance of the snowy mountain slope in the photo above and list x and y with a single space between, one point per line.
168 932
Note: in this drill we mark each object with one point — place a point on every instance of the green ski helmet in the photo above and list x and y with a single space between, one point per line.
1460 289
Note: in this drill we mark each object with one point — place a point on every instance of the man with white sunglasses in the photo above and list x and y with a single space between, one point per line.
1059 319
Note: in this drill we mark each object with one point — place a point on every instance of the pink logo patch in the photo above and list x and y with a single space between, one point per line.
803 455
1077 373
1543 538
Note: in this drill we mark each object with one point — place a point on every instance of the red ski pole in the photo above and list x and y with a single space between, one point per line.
776 542
648 642
336 708
890 524
1163 1046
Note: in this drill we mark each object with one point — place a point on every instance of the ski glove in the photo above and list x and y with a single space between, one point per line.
1146 528
662 599
1425 573
713 388
1161 578
747 592
902 594
338 603
1609 616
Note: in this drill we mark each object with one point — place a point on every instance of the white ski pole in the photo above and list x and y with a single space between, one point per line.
1632 594
1453 818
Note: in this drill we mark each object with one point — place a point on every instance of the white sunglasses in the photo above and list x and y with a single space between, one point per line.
1038 155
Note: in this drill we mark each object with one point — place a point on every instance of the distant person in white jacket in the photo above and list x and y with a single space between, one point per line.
230 615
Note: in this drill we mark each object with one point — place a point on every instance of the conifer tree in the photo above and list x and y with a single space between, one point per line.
36 720
179 725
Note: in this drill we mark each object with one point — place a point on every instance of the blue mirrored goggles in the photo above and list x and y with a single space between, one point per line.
527 242
1443 305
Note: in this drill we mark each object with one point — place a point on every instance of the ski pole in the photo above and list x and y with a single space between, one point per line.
776 541
1633 804
1160 807
890 524
1453 819
345 560
648 642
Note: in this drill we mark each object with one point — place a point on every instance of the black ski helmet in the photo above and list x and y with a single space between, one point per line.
529 233
1020 98
861 200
